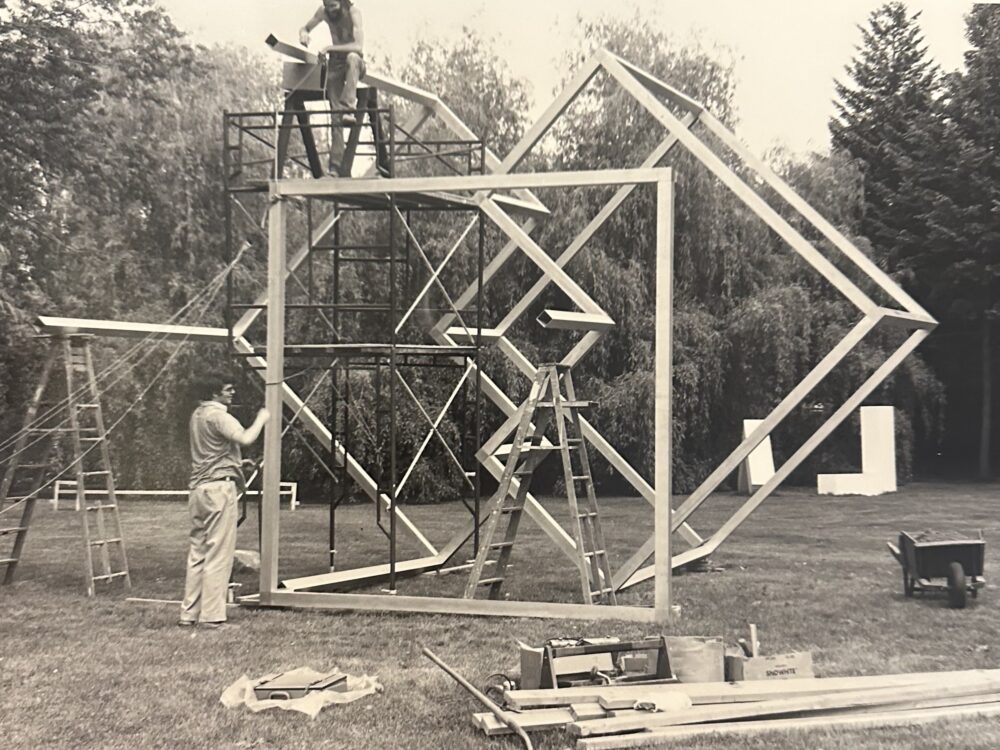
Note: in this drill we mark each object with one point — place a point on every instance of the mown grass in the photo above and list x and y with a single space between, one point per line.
813 574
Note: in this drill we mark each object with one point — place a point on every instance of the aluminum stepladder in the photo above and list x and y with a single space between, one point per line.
75 414
546 404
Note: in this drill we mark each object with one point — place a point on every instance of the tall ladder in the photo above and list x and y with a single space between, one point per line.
77 415
545 404
27 469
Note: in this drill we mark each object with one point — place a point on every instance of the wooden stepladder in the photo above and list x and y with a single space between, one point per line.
546 404
74 417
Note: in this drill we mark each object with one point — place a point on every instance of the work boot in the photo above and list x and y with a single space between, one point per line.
349 118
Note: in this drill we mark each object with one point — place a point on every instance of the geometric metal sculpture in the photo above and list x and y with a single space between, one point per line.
502 197
679 115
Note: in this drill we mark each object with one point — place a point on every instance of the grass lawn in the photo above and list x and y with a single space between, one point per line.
813 573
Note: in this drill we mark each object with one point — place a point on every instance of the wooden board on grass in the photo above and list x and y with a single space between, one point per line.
784 706
732 692
843 721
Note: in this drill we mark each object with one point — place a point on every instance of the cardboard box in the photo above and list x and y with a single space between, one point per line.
778 667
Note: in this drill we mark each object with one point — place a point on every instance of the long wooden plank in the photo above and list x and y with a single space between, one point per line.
443 605
461 183
123 329
359 576
703 693
660 737
799 704
744 192
539 720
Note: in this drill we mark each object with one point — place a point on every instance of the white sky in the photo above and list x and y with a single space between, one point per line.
788 51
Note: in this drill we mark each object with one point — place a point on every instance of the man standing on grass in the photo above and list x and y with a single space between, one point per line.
345 68
216 438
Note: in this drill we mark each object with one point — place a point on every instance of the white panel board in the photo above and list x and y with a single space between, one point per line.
757 468
878 458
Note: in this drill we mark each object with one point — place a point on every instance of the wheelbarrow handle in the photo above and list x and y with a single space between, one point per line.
895 552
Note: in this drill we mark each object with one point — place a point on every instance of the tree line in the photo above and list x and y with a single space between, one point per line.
111 206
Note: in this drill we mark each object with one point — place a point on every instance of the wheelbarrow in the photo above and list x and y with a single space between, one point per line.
934 564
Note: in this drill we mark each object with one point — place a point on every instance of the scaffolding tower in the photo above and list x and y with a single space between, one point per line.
362 285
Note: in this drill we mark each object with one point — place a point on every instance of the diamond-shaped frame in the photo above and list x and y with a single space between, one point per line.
648 91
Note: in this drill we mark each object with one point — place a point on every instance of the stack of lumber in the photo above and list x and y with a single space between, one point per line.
606 716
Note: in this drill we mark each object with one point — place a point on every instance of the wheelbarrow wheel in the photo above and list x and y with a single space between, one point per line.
956 586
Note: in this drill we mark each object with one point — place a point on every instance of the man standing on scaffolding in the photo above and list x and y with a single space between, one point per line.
216 477
345 68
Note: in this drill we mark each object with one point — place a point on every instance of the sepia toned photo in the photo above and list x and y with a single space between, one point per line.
481 375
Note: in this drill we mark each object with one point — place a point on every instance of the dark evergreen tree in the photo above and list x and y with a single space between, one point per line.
891 83
952 247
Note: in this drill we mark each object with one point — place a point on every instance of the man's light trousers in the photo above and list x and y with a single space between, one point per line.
212 508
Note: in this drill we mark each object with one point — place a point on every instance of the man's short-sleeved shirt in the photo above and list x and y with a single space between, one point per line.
215 454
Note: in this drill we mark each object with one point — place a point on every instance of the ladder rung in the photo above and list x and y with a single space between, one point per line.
88 406
589 514
92 439
109 576
510 509
32 466
7 560
596 552
101 507
501 545
489 581
581 477
566 404
106 541
103 472
602 591
13 530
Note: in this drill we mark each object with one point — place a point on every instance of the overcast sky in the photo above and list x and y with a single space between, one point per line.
787 51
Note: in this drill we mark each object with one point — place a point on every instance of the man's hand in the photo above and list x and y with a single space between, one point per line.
303 37
263 415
